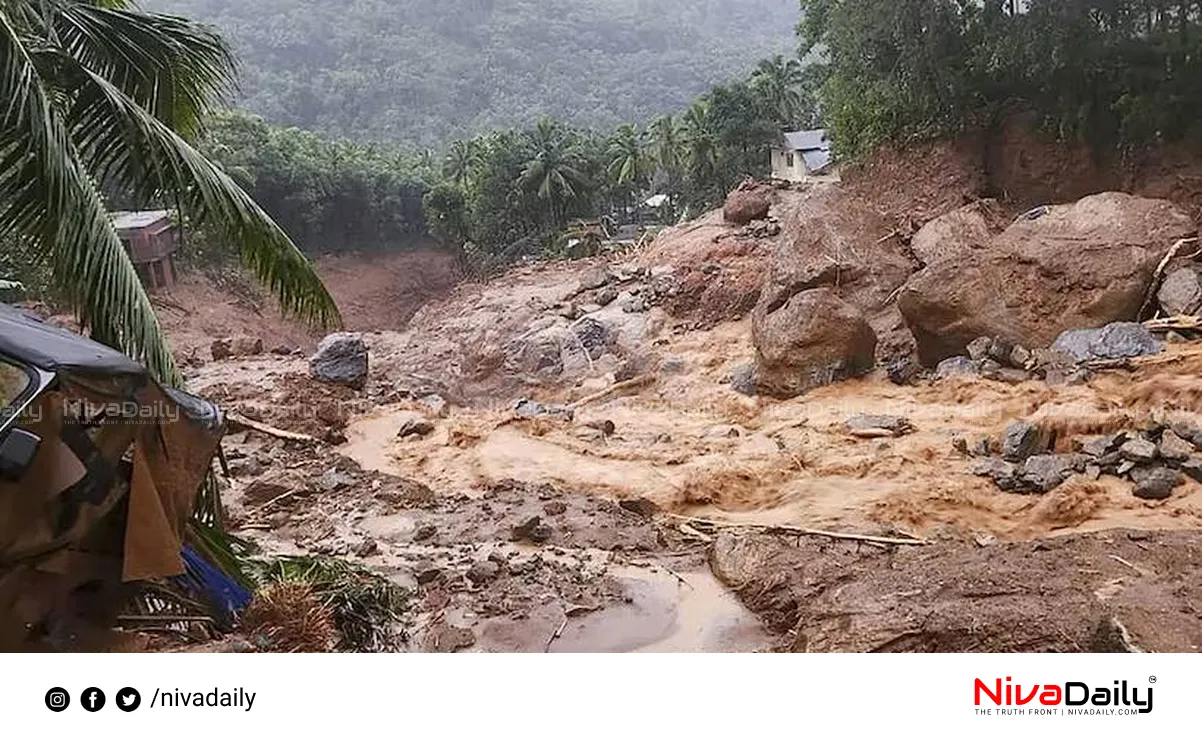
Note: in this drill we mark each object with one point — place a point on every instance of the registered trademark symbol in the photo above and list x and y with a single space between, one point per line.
1151 679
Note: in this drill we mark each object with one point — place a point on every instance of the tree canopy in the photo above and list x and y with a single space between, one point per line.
1108 72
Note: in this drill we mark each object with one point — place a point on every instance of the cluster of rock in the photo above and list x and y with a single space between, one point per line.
1154 459
971 292
1069 358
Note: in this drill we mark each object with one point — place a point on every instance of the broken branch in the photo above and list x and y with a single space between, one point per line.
802 531
613 389
279 433
1158 276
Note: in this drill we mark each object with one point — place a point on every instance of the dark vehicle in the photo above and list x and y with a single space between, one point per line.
100 468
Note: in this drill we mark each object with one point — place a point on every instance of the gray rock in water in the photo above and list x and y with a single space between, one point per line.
1004 474
1120 340
957 366
1045 472
417 427
743 380
1154 483
1138 450
1021 441
1100 446
1181 292
1175 448
435 404
892 424
533 409
341 358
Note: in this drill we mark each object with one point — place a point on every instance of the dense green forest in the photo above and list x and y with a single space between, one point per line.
1111 73
510 191
425 72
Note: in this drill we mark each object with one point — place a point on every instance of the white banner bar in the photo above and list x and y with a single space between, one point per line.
599 697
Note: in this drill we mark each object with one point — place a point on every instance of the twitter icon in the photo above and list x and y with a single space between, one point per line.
128 699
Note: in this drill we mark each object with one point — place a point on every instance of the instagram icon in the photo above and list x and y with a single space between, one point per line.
57 699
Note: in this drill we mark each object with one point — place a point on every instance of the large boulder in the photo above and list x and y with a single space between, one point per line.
744 207
341 358
813 339
958 231
1082 265
830 239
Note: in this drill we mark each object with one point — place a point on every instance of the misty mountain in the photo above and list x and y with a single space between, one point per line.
423 72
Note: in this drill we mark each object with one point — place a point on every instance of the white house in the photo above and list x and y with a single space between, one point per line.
804 156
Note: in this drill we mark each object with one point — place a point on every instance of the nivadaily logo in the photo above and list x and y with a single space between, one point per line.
1072 697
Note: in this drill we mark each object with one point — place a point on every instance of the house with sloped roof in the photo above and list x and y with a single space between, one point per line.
804 156
151 238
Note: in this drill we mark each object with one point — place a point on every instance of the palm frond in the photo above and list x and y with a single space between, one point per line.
123 144
47 196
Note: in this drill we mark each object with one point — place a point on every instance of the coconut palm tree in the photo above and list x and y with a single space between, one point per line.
556 172
98 92
701 144
780 83
461 162
629 163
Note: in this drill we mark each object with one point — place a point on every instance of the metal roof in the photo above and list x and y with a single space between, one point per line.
817 160
138 220
803 141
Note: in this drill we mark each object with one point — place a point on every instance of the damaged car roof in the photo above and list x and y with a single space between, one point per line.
23 337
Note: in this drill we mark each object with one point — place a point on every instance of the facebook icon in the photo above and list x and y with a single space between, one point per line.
92 699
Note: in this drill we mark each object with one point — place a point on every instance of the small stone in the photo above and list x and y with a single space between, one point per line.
283 350
555 508
1020 357
595 279
1000 350
532 409
1188 430
722 432
367 548
483 572
985 540
247 467
427 572
875 426
960 445
607 296
435 404
671 365
1004 474
417 427
1193 468
1099 446
1154 483
332 480
978 350
220 349
1124 468
532 530
425 532
983 448
1093 471
641 506
957 366
1174 337
1138 450
1021 441
743 380
1045 472
1175 448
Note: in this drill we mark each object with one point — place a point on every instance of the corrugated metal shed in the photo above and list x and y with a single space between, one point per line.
138 220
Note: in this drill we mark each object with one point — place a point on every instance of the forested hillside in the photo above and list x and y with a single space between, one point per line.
425 72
